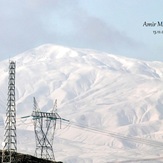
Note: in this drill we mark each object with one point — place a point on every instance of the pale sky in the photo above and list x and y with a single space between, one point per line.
112 26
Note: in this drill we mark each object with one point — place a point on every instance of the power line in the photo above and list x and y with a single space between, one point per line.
107 133
126 138
119 136
124 161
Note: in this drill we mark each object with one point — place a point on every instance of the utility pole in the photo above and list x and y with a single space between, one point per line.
44 127
10 141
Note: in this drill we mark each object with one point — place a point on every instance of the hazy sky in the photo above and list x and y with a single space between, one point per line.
113 26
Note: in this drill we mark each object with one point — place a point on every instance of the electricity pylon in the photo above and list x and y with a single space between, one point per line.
10 141
44 127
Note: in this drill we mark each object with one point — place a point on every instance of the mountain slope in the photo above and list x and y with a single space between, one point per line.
99 93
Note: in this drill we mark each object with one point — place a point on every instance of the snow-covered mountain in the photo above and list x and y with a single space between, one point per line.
114 104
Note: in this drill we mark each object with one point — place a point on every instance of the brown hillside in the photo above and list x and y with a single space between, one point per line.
25 158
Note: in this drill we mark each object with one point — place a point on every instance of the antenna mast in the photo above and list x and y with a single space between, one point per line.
10 141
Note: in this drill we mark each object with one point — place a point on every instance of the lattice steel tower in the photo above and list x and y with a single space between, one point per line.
44 127
10 141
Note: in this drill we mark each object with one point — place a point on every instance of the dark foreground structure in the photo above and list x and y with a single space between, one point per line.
24 158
